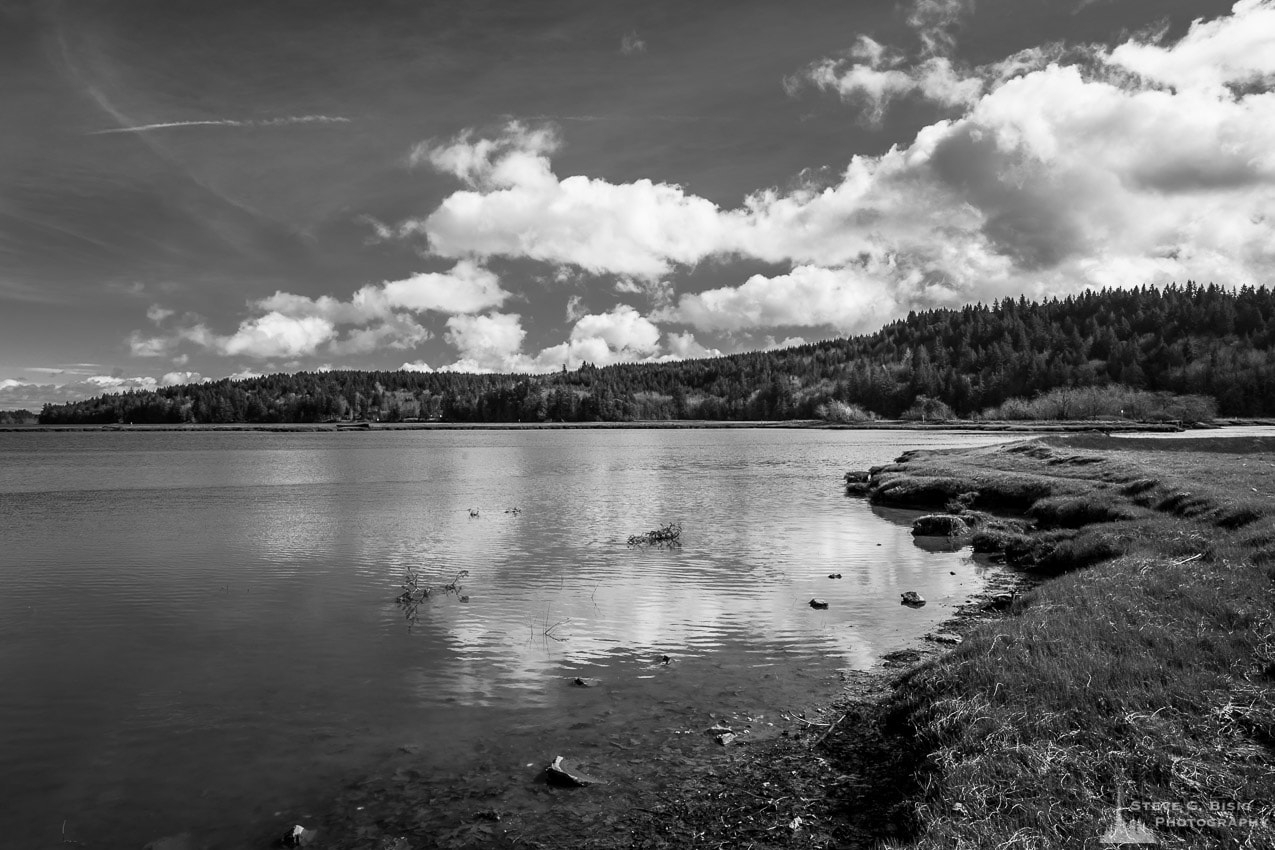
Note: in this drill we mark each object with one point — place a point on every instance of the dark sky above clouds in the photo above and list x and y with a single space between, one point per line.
195 190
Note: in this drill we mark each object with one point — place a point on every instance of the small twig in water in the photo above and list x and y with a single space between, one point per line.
548 632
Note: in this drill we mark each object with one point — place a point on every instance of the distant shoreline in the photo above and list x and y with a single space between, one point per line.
1012 427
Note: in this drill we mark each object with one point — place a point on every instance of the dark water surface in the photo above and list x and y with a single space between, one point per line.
198 630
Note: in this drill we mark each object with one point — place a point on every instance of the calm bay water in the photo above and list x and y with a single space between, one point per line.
198 630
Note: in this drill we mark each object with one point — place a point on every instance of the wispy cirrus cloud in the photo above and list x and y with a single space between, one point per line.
934 22
285 121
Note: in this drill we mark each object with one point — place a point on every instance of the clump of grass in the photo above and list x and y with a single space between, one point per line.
1083 550
1183 504
1051 552
917 491
1139 486
1076 511
961 503
665 535
1238 515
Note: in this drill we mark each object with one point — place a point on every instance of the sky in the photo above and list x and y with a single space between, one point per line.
196 190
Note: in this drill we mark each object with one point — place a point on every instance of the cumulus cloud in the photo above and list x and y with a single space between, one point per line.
379 317
1063 169
172 379
518 154
366 305
684 346
15 393
415 366
873 75
844 299
487 343
467 288
518 207
622 328
274 335
493 343
1237 49
620 335
398 332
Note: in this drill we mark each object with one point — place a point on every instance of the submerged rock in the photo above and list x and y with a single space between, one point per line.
940 525
559 772
912 599
299 836
584 682
818 603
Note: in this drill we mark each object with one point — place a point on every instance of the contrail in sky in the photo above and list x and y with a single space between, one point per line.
229 122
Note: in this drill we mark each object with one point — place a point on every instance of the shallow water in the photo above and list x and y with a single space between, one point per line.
198 630
1235 431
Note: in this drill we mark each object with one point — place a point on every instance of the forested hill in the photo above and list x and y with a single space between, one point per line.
1199 340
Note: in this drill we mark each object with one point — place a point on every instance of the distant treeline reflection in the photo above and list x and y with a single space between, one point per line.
1180 352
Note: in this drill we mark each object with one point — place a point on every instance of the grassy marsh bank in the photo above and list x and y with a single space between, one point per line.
1148 678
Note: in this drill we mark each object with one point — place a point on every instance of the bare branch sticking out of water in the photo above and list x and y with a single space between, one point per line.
412 589
668 535
415 593
548 631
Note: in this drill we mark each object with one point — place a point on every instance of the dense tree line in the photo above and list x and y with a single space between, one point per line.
18 417
1181 340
